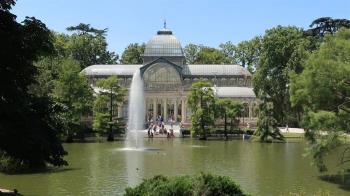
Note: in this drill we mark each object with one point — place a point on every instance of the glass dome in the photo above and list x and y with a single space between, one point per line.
163 44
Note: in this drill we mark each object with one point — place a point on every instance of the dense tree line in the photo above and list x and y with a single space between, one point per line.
245 53
60 76
322 89
44 95
29 130
303 80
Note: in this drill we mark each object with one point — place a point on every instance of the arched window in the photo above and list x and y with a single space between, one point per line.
162 76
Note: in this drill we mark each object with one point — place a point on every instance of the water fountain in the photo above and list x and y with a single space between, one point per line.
135 131
136 113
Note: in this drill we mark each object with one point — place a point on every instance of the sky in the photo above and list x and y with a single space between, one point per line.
207 22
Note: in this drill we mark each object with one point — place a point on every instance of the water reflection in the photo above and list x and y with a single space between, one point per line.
108 168
134 167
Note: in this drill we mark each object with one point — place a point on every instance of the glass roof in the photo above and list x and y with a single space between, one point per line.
163 44
188 70
107 70
214 69
234 92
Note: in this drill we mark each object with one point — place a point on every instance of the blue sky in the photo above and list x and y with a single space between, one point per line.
207 22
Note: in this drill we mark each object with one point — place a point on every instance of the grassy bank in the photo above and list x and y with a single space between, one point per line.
293 135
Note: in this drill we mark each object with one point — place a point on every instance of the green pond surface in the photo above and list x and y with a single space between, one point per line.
107 168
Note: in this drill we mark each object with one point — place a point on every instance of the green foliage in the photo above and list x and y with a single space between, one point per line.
321 26
228 109
283 51
207 109
210 56
322 144
10 164
47 73
28 131
202 103
133 54
84 29
101 122
58 77
72 91
6 5
323 90
247 53
199 54
191 52
109 97
88 46
267 125
229 50
203 184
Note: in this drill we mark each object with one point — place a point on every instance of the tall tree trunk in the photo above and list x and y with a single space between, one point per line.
110 134
204 135
225 128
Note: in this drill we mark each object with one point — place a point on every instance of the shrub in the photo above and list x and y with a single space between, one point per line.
203 185
11 165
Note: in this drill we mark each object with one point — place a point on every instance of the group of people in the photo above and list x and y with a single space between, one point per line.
159 127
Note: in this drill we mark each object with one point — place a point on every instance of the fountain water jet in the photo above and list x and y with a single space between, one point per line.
136 113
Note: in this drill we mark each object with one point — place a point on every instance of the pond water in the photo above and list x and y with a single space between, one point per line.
107 168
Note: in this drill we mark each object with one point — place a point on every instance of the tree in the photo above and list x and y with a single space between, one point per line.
90 50
84 29
109 97
202 103
88 46
247 53
209 55
28 130
47 72
283 50
228 109
323 90
229 50
72 90
222 107
6 5
267 129
233 112
321 26
133 54
191 52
